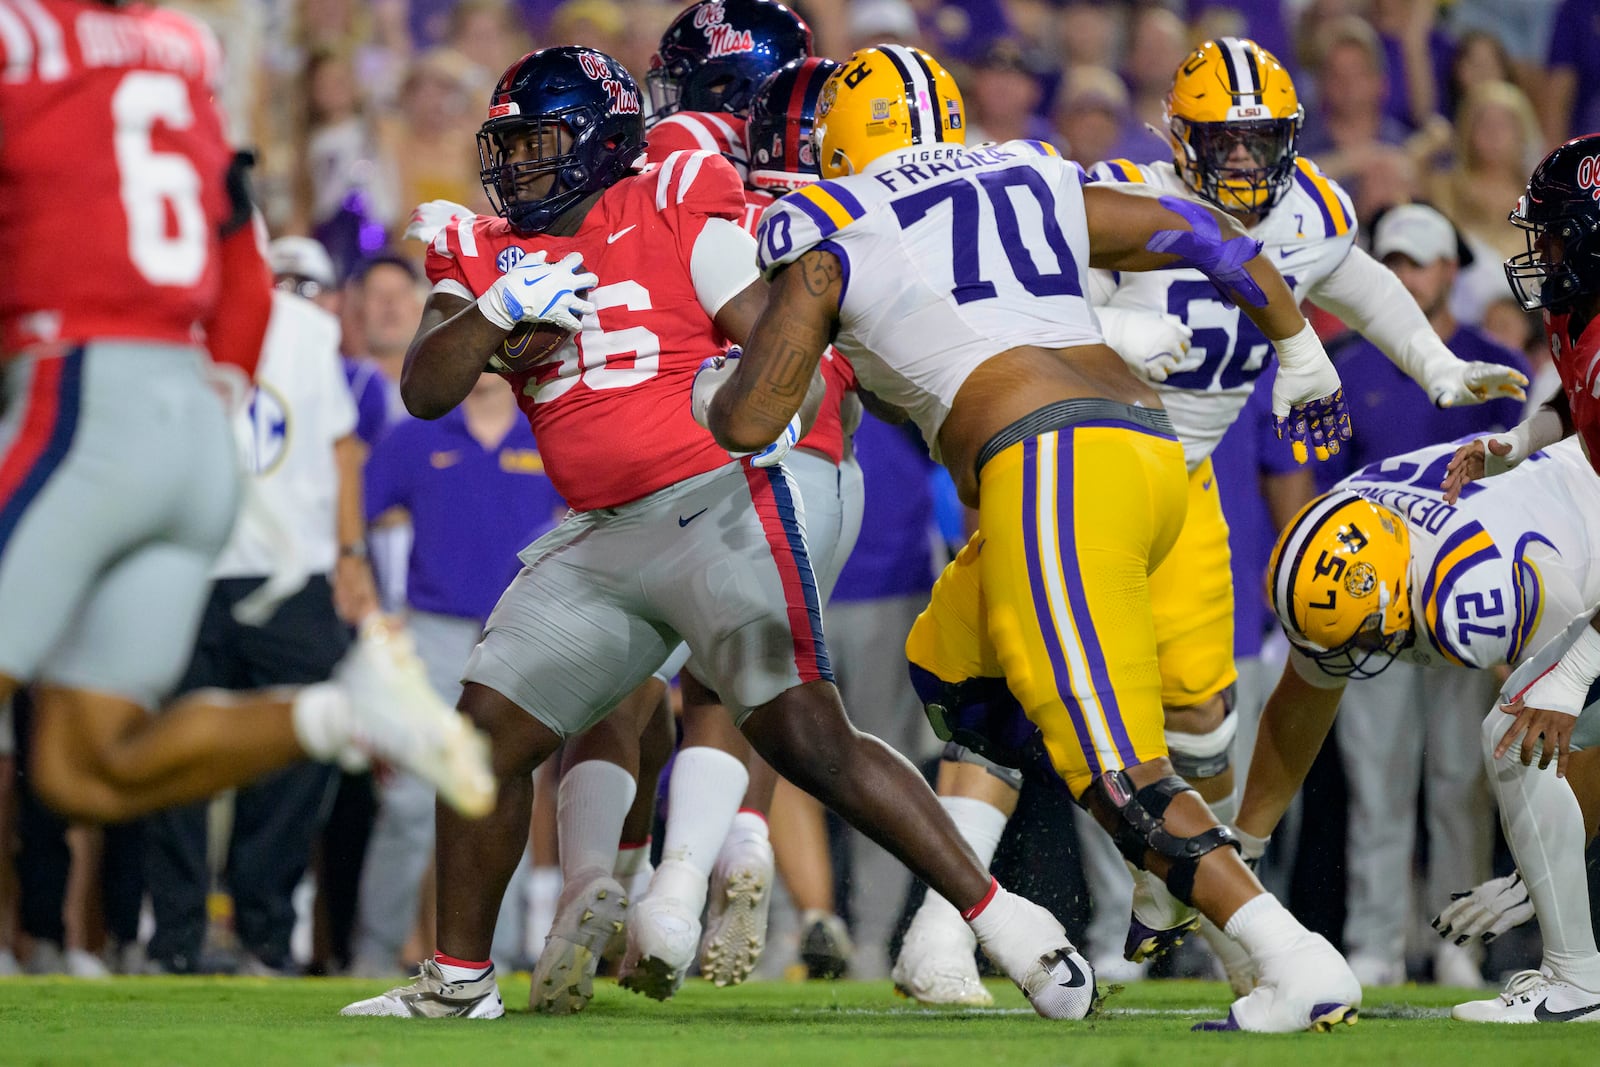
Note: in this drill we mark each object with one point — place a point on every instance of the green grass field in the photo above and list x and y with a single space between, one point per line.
148 1021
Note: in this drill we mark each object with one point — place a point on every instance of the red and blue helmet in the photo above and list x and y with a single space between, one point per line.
717 53
1560 212
782 156
592 99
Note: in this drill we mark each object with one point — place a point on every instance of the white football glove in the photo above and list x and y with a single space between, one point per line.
714 373
537 291
1154 345
1486 911
434 215
1474 383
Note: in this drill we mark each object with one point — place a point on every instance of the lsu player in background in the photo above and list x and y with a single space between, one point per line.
671 539
1390 565
134 290
1233 118
956 282
716 849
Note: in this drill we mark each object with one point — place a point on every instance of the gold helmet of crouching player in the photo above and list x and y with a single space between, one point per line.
1233 118
1340 582
885 99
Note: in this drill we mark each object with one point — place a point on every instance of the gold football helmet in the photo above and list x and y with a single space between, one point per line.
1233 118
1339 580
883 100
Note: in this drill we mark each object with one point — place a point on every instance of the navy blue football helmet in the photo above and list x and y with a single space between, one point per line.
716 53
782 156
592 102
1561 214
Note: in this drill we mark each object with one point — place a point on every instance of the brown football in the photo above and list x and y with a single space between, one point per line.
526 346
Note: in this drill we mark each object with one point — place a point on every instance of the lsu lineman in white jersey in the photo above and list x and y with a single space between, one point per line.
1383 568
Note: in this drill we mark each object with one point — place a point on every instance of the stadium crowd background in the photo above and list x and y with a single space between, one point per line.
358 111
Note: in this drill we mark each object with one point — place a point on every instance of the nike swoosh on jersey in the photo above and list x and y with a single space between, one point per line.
682 522
1285 253
613 238
1545 1015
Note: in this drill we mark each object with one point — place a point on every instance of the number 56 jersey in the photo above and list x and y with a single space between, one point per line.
948 261
1503 570
1307 236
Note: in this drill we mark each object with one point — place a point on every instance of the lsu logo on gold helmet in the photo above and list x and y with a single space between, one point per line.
883 100
1233 118
1339 579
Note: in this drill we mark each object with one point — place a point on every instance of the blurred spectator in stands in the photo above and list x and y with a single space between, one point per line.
1570 101
598 24
350 189
1096 122
958 31
883 22
1263 21
1387 176
1003 93
432 140
1158 42
1417 54
1352 82
1522 28
489 36
375 35
1479 57
1089 33
1497 143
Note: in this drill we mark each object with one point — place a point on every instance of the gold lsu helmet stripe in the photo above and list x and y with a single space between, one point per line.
921 97
1244 76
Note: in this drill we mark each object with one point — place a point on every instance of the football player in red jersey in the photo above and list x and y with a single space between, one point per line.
670 539
716 838
118 481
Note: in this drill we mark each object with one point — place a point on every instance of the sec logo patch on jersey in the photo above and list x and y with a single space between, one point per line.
509 257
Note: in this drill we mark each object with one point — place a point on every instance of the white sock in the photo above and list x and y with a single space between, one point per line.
702 798
321 717
1544 826
1014 931
1263 926
633 868
591 806
461 970
981 825
749 825
544 891
1226 810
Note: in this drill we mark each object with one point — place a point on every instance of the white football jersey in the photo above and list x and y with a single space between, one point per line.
950 258
1306 236
1503 570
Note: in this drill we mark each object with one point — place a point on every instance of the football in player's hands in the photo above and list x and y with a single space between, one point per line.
527 345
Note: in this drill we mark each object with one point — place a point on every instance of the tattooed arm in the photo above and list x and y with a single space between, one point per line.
775 375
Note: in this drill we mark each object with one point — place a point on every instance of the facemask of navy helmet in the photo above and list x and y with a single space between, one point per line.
563 123
717 53
1560 213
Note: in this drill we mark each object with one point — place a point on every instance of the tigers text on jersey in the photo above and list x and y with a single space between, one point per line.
108 114
610 408
1498 573
1306 237
949 259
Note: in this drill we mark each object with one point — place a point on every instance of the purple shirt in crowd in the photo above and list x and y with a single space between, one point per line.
472 509
1264 23
1247 451
375 399
1389 414
1575 44
894 554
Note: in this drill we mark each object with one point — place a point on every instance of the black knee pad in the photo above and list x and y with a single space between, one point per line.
1138 815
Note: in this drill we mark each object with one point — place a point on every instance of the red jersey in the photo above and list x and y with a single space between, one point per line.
113 166
610 408
725 134
1579 367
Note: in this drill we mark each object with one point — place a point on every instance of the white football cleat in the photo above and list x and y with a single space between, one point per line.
1307 986
937 965
431 996
1533 997
396 716
1033 949
662 937
736 914
590 911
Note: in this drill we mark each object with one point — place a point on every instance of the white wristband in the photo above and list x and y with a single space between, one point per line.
1301 351
1539 430
1565 687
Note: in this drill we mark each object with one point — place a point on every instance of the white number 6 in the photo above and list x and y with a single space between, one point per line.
154 182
